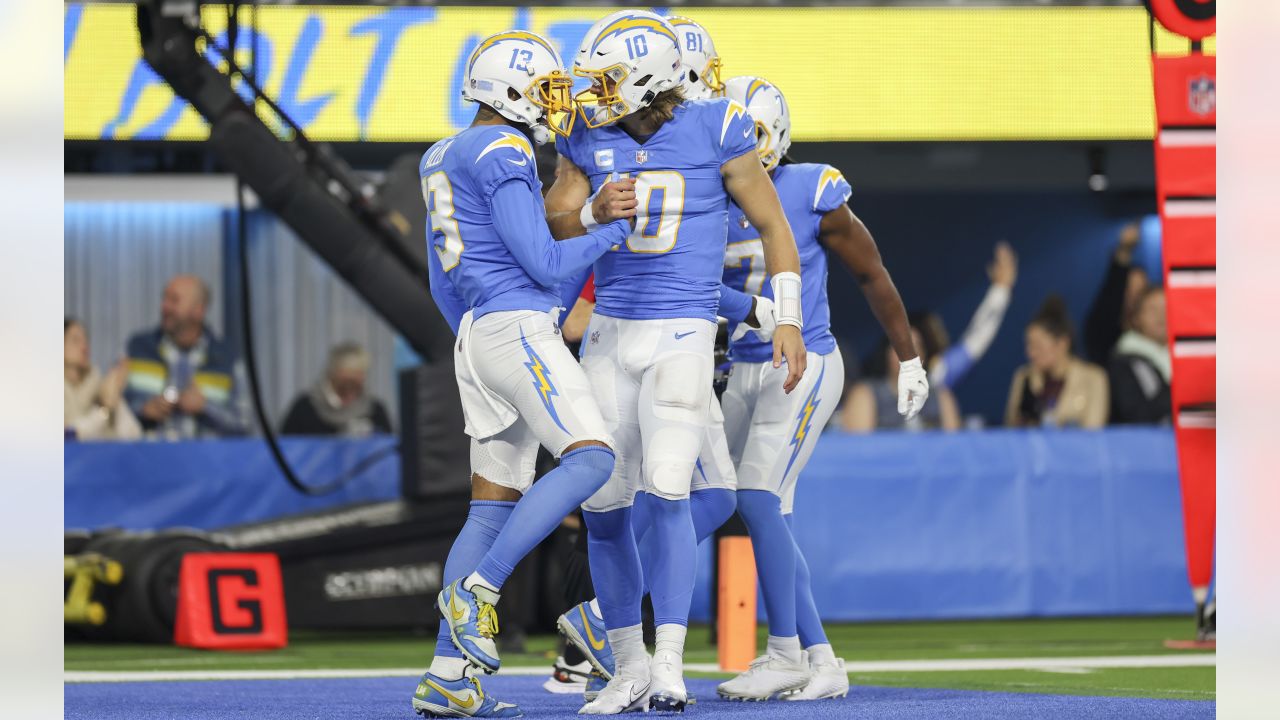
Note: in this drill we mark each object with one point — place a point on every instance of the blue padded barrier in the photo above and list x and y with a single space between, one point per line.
991 524
895 526
210 484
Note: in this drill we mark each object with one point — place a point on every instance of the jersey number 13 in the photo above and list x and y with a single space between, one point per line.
445 238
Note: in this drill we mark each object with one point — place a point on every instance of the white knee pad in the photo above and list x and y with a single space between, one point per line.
680 407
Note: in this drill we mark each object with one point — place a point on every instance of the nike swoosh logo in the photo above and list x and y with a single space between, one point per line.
746 133
522 162
471 699
590 638
636 695
453 608
681 336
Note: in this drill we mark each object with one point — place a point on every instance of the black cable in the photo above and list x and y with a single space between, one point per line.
251 365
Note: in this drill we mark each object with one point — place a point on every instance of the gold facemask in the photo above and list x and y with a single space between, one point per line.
766 148
553 93
601 107
711 76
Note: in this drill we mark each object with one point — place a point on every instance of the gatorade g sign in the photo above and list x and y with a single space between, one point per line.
230 601
1196 19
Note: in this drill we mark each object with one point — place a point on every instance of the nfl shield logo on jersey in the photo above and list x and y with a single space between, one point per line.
604 159
742 222
642 156
1202 95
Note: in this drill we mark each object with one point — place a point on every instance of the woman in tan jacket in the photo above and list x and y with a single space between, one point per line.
1056 388
92 406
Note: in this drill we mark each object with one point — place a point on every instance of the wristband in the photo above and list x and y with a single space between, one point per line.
786 299
588 218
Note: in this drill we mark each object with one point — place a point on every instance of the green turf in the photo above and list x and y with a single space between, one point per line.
854 642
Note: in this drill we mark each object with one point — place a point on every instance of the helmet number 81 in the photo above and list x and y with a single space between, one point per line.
660 198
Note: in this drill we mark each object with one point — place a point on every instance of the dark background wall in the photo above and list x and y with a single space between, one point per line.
937 246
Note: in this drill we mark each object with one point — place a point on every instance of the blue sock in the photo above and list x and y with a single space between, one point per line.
615 566
775 553
484 521
640 516
710 508
581 473
671 570
807 620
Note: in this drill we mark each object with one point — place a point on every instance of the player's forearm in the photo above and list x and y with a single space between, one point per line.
565 224
886 304
518 221
780 254
735 305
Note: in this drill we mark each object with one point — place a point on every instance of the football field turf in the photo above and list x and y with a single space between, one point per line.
1022 668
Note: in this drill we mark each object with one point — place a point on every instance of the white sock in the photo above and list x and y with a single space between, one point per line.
595 607
629 655
475 580
821 654
787 648
448 668
669 643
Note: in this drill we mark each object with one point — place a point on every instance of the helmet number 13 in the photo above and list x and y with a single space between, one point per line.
660 194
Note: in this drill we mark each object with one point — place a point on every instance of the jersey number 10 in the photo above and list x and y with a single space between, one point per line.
660 194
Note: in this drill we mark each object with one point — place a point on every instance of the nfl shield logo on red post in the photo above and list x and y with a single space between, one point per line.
230 601
1202 95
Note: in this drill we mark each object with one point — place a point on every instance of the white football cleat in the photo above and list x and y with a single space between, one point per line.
829 681
766 677
667 693
623 694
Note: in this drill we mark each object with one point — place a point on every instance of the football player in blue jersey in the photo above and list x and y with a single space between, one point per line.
711 493
772 434
648 353
498 276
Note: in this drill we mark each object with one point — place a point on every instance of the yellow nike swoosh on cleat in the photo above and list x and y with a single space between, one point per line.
587 624
471 700
453 608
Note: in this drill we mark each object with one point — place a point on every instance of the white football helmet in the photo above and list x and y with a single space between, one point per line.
630 57
767 106
700 74
519 75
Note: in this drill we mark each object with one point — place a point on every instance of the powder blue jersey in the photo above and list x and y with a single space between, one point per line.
671 264
459 174
807 191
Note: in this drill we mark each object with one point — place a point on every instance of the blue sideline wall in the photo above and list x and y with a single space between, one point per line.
895 526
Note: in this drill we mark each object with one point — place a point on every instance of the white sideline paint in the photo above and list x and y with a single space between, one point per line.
1068 664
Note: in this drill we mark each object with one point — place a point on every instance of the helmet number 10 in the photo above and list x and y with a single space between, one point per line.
637 46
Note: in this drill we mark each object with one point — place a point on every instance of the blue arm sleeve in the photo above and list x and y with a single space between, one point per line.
521 223
735 305
570 289
451 305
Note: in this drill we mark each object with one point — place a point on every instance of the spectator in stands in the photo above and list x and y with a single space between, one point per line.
948 364
1140 367
92 406
873 403
1055 388
181 378
337 403
1112 307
